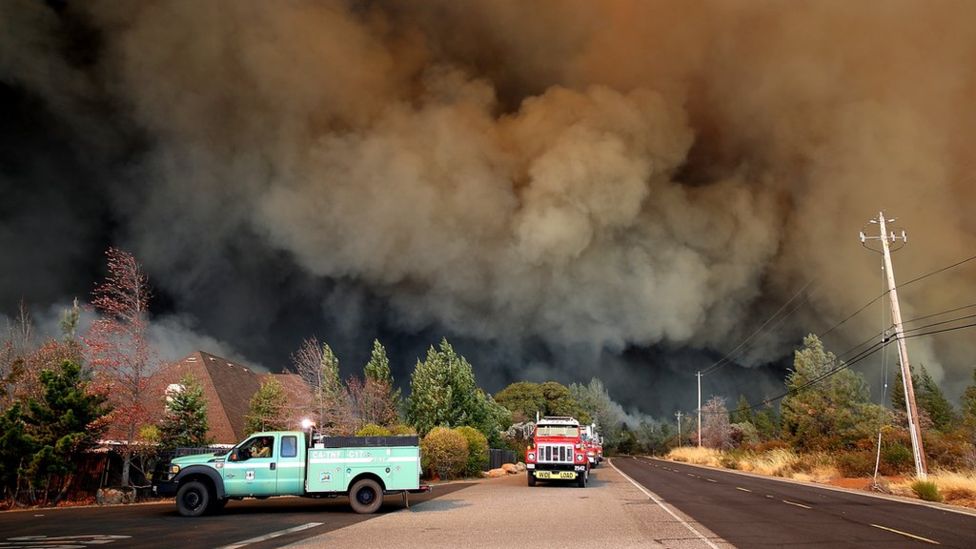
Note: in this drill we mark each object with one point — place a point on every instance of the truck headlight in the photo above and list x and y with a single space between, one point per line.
173 469
531 456
580 457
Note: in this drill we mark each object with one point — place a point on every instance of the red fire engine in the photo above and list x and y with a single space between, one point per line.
557 452
593 443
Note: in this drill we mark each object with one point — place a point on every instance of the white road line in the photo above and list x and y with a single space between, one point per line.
711 480
769 496
743 489
661 504
691 475
913 536
272 535
788 502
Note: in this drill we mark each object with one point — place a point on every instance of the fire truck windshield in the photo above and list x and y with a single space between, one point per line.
557 431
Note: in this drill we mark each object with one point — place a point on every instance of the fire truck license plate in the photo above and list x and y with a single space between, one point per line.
555 474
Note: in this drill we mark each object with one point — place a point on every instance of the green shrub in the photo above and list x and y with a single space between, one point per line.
926 490
477 450
373 430
855 463
402 429
445 453
896 459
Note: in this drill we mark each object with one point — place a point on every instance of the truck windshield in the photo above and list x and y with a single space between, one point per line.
557 431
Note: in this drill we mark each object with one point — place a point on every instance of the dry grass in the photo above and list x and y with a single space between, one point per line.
955 487
698 456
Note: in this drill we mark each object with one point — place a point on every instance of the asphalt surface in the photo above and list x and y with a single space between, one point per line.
609 513
755 512
158 525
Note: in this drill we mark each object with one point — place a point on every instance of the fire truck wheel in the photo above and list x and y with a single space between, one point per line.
531 478
366 496
581 481
192 499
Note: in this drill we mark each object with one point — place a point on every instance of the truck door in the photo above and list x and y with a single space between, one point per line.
251 468
291 465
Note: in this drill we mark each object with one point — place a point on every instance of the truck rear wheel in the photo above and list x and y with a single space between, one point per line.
366 496
531 478
193 498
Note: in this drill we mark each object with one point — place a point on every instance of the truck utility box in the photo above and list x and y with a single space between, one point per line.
334 461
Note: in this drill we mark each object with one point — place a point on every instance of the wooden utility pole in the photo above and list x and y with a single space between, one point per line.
906 371
698 375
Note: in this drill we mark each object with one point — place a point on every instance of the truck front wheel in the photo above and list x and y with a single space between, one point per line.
366 496
581 480
193 498
531 478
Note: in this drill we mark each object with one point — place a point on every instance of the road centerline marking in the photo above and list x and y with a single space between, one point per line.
743 489
711 480
272 535
913 536
788 502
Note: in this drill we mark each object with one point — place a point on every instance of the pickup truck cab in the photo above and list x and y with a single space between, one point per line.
294 463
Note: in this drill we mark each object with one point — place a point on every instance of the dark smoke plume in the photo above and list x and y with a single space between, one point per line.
566 188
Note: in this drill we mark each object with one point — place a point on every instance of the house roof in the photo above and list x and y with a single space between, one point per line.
228 387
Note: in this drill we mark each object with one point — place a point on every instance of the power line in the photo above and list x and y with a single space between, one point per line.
912 281
917 318
844 365
728 357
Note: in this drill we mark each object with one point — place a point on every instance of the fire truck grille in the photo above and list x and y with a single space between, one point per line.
555 453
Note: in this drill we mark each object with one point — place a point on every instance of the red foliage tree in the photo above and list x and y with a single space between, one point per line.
119 350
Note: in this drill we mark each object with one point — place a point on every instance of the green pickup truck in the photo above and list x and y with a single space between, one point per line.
294 463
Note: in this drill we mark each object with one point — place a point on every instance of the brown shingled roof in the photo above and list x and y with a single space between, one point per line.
228 388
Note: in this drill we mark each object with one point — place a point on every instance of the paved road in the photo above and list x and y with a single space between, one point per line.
159 526
755 512
609 513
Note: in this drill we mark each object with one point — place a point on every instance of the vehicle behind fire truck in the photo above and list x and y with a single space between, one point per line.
557 452
593 443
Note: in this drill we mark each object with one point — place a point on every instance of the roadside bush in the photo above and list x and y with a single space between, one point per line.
855 463
373 430
445 453
895 459
927 490
402 429
477 450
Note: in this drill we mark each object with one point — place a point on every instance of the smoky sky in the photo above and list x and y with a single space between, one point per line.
565 189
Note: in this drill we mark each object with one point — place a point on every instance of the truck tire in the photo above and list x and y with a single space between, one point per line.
531 478
193 498
366 496
581 480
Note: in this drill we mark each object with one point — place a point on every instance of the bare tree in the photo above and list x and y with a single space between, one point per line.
318 366
119 348
716 431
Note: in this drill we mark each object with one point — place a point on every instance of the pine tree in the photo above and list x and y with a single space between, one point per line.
267 411
63 424
933 401
969 406
743 411
826 408
375 398
185 422
443 392
929 398
15 446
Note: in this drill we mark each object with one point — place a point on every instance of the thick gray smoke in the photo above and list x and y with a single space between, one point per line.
554 183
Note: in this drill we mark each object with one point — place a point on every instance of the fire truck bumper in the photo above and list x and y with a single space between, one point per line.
549 472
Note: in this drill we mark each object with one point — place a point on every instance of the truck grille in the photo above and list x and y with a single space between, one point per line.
555 453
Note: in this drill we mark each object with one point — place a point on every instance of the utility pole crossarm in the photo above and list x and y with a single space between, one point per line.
906 372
